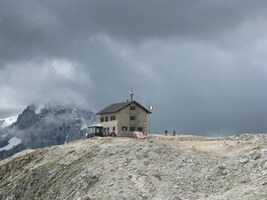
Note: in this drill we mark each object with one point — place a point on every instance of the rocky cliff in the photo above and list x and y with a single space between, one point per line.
182 167
45 125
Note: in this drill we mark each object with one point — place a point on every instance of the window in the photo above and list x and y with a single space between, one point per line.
132 117
132 128
112 118
140 129
132 107
113 128
106 119
102 119
124 128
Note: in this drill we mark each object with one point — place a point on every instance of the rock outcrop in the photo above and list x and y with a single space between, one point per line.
46 125
182 167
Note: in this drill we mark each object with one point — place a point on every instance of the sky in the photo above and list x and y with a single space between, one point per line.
201 64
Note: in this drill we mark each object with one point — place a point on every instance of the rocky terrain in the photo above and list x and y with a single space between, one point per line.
44 125
160 167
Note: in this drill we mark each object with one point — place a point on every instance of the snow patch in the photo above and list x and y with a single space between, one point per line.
39 108
8 121
14 141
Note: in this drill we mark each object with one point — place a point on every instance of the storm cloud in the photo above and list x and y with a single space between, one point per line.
201 64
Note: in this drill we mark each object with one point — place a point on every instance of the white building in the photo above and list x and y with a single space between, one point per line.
124 118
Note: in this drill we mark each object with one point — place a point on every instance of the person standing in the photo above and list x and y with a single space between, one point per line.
174 133
166 132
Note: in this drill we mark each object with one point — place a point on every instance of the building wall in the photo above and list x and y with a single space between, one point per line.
123 120
124 115
110 123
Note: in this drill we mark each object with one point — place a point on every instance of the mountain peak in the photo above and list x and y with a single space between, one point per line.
47 124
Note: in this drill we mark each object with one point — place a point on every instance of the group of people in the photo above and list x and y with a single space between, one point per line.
105 134
109 134
102 133
173 133
89 135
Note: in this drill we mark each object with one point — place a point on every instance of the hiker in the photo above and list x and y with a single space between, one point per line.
113 134
105 132
174 133
89 135
166 132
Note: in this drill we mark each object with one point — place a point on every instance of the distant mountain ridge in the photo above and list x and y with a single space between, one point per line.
8 121
45 125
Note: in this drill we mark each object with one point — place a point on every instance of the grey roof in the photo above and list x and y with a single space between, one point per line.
116 107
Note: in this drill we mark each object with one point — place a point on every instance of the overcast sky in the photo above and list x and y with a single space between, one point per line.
201 64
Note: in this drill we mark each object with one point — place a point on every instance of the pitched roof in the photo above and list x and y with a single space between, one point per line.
116 107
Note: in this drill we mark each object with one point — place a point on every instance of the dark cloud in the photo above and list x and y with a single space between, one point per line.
200 63
44 27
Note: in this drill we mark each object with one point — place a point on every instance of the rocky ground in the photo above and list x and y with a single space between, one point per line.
161 167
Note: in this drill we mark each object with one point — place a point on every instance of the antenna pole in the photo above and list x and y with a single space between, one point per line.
131 94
